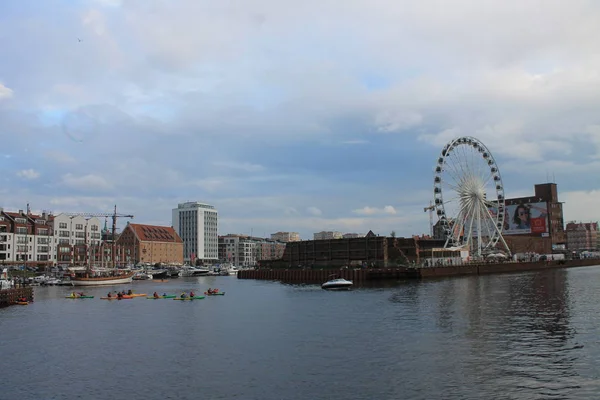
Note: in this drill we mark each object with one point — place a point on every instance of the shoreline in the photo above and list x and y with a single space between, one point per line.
296 275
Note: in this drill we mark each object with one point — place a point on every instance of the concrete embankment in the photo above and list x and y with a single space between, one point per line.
370 274
9 297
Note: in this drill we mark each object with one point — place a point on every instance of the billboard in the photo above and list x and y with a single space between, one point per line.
522 218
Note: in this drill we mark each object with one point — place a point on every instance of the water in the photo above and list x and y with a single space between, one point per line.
517 336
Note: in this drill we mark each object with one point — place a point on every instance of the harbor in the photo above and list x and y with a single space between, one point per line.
302 338
358 275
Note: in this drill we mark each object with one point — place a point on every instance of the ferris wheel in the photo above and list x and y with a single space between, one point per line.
468 197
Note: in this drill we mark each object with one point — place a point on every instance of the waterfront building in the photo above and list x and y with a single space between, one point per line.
286 237
534 224
149 244
197 225
352 235
77 239
327 235
368 251
582 236
248 251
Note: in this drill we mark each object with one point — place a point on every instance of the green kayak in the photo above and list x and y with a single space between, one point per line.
79 297
189 298
215 294
170 296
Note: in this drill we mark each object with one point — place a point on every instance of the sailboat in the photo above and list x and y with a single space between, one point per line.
89 276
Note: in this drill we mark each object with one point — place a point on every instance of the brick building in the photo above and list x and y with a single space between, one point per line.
149 244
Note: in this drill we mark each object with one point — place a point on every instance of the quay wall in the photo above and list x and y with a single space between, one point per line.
323 275
9 297
369 274
497 268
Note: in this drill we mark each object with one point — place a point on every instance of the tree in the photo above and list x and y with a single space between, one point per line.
393 234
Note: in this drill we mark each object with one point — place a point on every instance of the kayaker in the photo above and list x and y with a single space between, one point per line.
183 295
164 295
73 294
109 295
156 296
119 295
129 293
209 291
192 294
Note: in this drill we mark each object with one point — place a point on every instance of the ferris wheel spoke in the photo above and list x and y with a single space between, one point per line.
453 167
450 186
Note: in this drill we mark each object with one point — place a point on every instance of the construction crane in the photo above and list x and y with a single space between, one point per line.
430 209
114 215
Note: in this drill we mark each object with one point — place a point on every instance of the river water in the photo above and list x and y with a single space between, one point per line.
510 336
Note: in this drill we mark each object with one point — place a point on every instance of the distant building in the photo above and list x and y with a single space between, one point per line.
197 225
149 244
352 235
327 235
248 251
582 236
535 223
286 237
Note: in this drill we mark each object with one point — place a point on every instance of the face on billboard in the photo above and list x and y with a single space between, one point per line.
526 218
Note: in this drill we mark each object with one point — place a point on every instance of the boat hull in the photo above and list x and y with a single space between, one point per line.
337 284
108 280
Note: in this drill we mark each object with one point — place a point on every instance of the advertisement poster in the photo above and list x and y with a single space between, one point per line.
526 218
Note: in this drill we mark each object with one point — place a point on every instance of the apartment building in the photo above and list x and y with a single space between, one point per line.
582 236
286 237
327 235
25 238
248 251
352 235
77 240
197 225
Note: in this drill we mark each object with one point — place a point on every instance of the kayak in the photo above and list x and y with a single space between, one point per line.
215 294
116 298
22 303
138 295
79 297
169 296
190 298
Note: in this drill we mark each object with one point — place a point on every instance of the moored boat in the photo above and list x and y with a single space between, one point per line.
112 279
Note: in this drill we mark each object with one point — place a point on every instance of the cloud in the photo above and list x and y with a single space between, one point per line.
355 141
265 111
247 167
28 174
375 211
56 156
580 205
86 182
5 92
314 211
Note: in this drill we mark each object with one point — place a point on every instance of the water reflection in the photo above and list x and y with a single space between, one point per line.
510 331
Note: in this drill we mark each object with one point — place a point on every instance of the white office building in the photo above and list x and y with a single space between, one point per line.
197 225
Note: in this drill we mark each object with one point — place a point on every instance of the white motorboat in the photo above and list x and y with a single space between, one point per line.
187 271
337 284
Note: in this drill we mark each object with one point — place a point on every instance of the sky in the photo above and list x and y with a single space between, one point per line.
292 116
